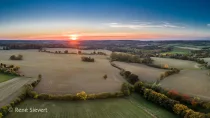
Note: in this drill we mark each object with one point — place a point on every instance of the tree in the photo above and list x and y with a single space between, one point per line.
19 57
133 78
105 76
12 57
66 51
79 52
125 89
127 73
82 95
39 76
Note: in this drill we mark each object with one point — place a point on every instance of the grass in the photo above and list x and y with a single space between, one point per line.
131 107
4 77
177 50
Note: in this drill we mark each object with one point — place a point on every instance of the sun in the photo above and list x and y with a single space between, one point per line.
73 36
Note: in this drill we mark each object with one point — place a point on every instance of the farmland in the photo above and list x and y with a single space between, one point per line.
144 72
66 73
192 82
134 106
176 63
4 77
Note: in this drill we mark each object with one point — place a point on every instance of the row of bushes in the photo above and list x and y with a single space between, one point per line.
87 59
126 90
98 53
16 57
130 58
168 103
114 65
184 57
168 73
6 109
185 112
79 96
130 77
194 102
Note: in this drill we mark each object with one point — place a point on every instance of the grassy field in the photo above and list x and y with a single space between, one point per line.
66 73
176 63
144 72
181 50
177 50
4 77
191 82
133 107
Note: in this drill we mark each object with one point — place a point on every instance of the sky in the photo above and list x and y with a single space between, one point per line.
104 19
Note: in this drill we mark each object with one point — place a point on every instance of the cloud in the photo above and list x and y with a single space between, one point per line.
140 25
208 25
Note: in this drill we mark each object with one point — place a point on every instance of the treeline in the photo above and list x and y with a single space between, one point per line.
18 57
130 58
194 102
5 110
184 57
87 59
79 96
168 73
9 69
168 103
67 52
126 90
98 53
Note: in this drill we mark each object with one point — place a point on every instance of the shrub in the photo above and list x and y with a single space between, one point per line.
91 96
82 95
66 52
179 108
39 76
44 96
18 57
1 115
125 89
103 95
105 76
127 74
87 59
132 78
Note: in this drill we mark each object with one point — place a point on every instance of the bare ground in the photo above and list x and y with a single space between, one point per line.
144 72
63 74
191 82
176 63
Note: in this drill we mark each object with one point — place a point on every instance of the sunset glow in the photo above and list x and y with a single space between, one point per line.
73 37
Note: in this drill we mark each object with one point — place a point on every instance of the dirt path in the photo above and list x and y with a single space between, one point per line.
12 88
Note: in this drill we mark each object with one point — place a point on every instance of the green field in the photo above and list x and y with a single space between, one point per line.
177 50
132 107
4 77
